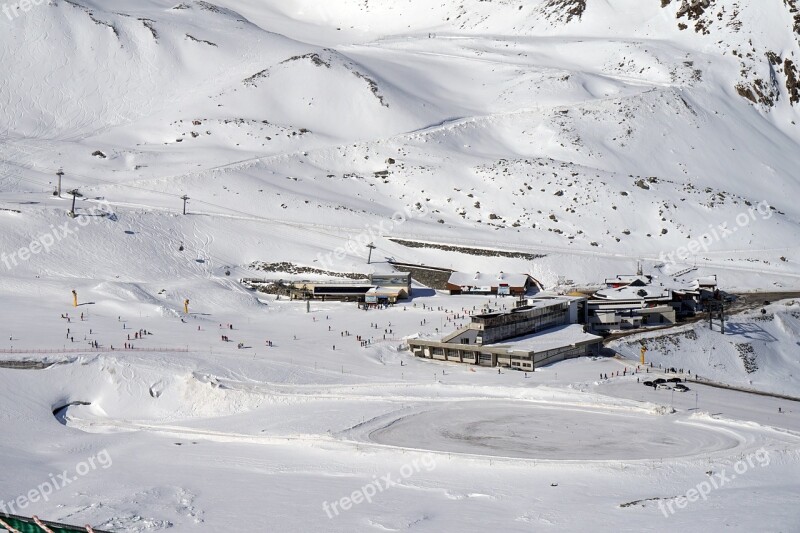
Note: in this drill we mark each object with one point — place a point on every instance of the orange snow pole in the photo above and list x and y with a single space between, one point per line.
186 306
74 299
641 356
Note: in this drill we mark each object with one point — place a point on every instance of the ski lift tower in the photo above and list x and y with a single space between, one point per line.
716 310
60 174
74 193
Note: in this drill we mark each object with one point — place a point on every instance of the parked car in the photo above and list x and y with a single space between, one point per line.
681 387
674 380
663 386
647 383
659 381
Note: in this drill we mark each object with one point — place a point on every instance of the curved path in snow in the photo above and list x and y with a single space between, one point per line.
553 433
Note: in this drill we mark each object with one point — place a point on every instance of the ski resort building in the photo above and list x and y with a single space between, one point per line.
632 302
631 306
541 331
377 289
628 279
399 282
482 283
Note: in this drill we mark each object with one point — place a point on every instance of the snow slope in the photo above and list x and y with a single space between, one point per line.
590 134
758 351
221 437
606 131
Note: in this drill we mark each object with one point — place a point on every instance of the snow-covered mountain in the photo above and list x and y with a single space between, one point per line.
570 138
609 130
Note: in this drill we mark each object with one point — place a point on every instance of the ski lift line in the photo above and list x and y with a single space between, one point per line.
317 229
240 215
320 231
311 227
20 178
250 160
29 180
225 166
218 259
99 181
199 252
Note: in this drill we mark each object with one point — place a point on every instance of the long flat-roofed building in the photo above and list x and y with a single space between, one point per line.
377 289
544 330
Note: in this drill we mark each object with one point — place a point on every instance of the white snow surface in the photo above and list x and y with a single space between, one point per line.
549 339
223 437
297 128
